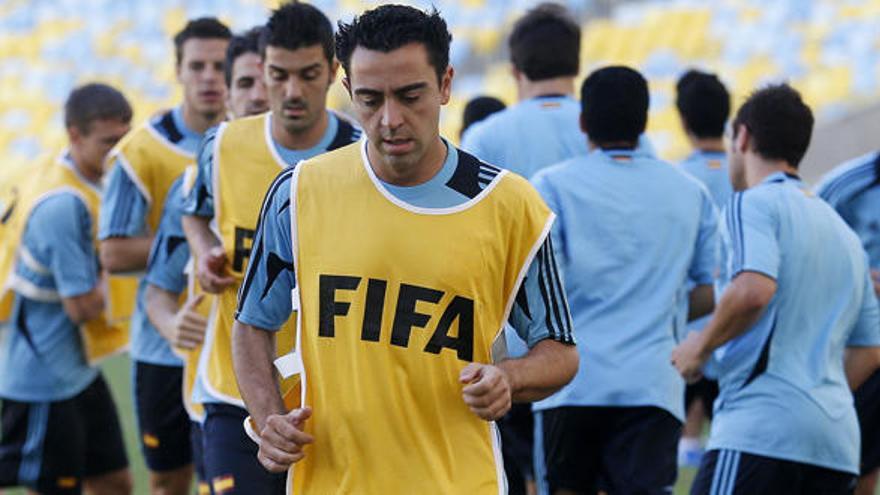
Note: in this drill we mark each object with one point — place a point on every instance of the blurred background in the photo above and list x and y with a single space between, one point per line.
828 49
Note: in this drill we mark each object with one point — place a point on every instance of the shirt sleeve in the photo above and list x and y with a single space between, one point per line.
540 310
170 252
200 200
123 207
704 264
64 226
752 226
867 330
264 300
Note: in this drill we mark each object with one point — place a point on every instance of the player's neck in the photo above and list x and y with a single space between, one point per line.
304 140
758 169
708 145
408 175
199 122
91 174
527 89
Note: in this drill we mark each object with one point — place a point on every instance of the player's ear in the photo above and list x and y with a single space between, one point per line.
74 134
446 85
347 85
334 68
742 139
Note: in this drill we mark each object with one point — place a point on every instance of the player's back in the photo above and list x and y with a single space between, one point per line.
710 168
630 230
530 135
783 381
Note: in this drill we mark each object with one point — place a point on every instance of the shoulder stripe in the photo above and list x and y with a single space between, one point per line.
565 313
168 128
542 285
848 175
346 134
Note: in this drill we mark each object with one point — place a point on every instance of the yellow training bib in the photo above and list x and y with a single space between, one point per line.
394 301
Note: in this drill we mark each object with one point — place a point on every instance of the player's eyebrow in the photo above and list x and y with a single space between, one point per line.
398 91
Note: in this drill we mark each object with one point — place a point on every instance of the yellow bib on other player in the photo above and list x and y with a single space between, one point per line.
245 164
394 301
100 337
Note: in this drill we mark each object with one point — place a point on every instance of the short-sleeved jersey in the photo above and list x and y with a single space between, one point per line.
784 392
853 189
710 168
531 135
143 174
623 272
41 352
419 293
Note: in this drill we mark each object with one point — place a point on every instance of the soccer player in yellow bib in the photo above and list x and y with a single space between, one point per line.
145 165
405 256
237 163
60 430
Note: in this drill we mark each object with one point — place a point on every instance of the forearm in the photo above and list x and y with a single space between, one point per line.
125 254
162 307
701 302
253 354
199 235
860 363
545 369
736 313
85 307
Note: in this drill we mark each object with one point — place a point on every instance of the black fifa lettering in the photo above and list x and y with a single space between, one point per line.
405 316
329 306
461 309
375 304
244 241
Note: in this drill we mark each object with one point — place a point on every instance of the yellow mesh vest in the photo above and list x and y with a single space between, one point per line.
244 167
394 301
100 337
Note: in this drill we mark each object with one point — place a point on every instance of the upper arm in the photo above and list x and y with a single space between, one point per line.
200 199
264 300
867 328
752 225
123 207
65 229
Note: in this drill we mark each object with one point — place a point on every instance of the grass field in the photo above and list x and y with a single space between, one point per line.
117 371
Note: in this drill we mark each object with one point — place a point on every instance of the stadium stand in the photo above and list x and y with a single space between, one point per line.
827 49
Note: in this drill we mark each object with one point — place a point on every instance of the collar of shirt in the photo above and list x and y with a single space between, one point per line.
782 177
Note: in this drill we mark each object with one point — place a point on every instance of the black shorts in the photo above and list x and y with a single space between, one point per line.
867 398
231 463
614 449
195 435
705 391
728 472
517 432
50 447
163 422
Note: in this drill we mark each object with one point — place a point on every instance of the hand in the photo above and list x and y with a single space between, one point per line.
282 440
690 356
189 326
487 393
212 272
875 277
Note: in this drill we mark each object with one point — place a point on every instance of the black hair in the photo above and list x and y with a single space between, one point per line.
703 103
201 28
614 105
389 27
92 102
478 109
779 122
240 44
546 43
296 25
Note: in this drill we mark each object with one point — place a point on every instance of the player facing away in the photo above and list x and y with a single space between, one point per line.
853 190
797 325
173 303
703 105
405 256
632 231
61 432
236 165
145 165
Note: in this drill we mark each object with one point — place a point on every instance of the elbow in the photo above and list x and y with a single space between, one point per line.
569 363
85 308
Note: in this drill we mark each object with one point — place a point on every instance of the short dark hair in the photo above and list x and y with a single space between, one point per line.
546 43
479 108
779 122
240 44
703 103
389 27
201 28
614 105
296 25
92 102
